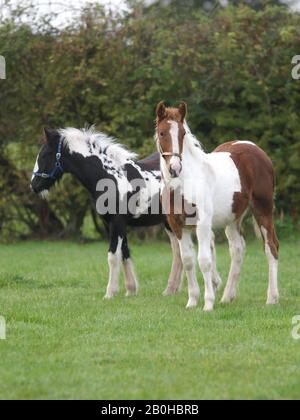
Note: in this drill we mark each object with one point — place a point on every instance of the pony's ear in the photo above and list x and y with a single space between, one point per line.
183 110
50 136
161 111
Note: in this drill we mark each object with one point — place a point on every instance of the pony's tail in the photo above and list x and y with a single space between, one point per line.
257 230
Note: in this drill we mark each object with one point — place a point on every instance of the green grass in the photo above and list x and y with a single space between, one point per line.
64 341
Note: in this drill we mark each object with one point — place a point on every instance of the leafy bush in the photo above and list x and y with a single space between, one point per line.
233 68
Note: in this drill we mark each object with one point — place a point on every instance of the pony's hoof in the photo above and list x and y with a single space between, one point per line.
208 307
168 292
192 303
110 295
131 293
228 299
273 300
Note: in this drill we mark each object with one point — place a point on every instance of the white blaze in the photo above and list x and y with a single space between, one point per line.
175 160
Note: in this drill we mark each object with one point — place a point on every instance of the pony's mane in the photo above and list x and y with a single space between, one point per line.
89 142
192 140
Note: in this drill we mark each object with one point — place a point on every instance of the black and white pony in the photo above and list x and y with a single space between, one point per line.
93 157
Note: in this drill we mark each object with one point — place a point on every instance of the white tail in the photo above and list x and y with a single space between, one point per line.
257 230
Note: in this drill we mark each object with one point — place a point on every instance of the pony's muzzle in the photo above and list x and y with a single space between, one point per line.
175 167
173 174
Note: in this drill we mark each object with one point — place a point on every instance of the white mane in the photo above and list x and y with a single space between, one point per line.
89 142
191 139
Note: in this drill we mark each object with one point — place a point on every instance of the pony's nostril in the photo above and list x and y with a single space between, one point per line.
173 173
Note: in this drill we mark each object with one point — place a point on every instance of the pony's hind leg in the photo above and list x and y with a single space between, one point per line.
131 282
267 229
216 278
237 248
177 266
188 260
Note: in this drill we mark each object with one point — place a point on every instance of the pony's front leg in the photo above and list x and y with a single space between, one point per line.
175 278
114 262
131 282
204 236
189 264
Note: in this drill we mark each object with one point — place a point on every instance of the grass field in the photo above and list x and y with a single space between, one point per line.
64 341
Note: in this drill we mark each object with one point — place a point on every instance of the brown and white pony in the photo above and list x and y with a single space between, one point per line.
221 186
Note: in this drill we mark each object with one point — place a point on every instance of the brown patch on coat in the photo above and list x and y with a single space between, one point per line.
258 183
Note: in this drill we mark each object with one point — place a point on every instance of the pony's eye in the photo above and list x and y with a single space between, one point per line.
161 134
